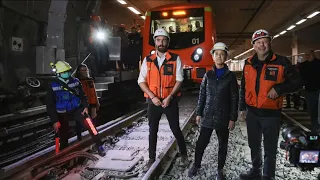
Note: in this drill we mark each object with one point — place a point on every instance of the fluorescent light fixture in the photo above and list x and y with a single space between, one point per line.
143 17
121 1
134 10
283 32
301 21
243 53
291 27
313 14
276 36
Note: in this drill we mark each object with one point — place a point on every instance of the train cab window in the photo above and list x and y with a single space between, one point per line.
186 27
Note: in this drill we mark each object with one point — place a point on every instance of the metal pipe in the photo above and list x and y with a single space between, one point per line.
244 28
84 60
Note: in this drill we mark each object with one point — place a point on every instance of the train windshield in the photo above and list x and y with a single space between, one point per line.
186 27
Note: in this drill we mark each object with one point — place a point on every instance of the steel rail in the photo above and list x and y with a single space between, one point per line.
296 122
30 166
167 154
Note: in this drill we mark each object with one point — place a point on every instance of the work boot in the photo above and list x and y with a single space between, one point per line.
193 171
220 175
101 151
148 165
253 174
184 161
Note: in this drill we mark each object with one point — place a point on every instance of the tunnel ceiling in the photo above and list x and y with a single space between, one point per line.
237 20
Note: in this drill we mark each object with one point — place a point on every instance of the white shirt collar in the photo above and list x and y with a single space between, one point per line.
162 57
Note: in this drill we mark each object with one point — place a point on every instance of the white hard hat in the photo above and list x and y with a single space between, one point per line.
261 33
161 32
220 46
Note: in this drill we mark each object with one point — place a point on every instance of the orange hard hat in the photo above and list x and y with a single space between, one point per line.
95 18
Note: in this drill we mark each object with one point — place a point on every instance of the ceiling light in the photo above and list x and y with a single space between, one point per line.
276 36
313 14
301 21
121 1
134 10
143 17
283 32
291 27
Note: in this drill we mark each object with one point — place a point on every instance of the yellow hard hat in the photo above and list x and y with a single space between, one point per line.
60 66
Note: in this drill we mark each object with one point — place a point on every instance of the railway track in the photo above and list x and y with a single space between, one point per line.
127 143
27 132
297 117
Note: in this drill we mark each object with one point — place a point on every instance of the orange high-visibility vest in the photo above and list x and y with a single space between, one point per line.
161 80
271 74
89 90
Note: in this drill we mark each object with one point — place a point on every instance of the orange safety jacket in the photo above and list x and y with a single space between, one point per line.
161 80
271 74
92 29
90 91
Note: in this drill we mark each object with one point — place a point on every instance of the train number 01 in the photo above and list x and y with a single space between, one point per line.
195 40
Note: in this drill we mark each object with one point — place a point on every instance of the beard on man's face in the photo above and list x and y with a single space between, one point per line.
161 48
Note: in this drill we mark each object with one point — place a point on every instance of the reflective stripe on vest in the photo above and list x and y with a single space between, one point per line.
89 90
161 82
271 74
65 101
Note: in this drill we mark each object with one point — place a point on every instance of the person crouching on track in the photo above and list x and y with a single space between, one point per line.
66 101
87 82
217 108
160 79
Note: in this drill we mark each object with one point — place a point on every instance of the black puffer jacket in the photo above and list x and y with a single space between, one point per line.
218 99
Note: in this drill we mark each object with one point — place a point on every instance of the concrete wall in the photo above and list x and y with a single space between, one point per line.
23 19
27 19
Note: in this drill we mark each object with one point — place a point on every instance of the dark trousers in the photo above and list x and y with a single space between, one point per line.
268 127
203 141
101 58
154 115
64 129
312 106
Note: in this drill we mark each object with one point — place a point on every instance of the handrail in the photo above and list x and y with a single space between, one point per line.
81 63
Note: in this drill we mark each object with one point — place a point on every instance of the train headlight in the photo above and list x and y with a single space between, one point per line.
196 57
197 54
199 51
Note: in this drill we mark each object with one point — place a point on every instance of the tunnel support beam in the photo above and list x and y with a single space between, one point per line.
54 45
55 31
294 46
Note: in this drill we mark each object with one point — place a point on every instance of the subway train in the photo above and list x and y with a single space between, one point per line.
192 34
